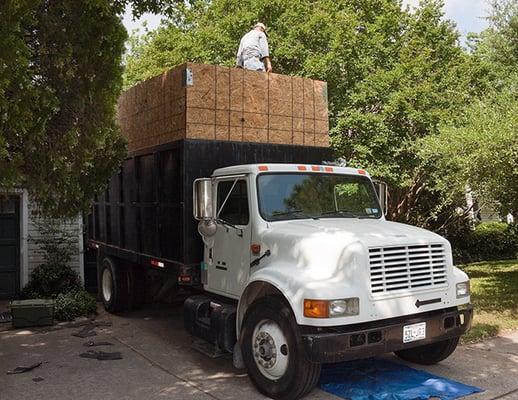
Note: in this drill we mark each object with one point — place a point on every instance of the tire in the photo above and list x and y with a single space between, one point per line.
279 369
113 285
429 353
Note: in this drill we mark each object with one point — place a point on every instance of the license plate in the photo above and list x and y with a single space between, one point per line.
414 332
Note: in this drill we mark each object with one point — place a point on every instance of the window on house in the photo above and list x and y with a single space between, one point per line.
7 205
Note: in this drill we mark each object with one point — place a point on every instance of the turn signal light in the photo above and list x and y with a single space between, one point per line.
316 308
255 248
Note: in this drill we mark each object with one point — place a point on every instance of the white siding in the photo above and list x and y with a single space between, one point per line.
35 255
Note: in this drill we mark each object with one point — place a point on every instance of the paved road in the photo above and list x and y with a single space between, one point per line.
159 364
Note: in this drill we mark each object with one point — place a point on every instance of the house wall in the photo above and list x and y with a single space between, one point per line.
35 255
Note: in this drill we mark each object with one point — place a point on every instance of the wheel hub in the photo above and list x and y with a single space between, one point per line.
270 349
107 287
265 351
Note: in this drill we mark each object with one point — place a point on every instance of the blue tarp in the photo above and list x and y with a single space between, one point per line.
381 379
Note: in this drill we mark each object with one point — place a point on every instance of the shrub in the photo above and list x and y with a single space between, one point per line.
73 304
488 241
50 280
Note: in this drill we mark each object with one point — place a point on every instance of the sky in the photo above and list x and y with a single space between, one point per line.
467 14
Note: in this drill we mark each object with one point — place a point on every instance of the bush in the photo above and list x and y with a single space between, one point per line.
50 280
488 241
73 304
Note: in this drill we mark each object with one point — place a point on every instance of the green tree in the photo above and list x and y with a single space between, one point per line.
480 150
393 76
427 82
60 75
499 43
322 39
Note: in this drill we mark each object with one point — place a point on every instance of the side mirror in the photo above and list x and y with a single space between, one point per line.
202 199
382 192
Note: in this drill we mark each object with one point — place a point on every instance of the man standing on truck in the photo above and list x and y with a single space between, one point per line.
253 50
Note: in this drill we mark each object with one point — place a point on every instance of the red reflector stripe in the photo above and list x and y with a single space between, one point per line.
301 167
328 169
315 168
362 172
263 168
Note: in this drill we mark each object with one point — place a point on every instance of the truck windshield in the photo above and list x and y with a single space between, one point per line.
285 196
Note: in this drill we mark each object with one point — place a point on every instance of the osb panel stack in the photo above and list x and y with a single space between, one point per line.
224 104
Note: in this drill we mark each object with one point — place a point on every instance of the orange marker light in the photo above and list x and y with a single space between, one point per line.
316 308
301 167
255 248
362 172
263 168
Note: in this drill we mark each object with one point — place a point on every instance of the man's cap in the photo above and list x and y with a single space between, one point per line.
260 25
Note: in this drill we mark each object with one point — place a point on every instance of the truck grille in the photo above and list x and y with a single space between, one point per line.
413 267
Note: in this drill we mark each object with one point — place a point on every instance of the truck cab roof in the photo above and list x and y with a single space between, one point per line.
289 168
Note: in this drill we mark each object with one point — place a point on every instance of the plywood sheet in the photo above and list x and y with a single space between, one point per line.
309 99
225 104
236 134
255 92
298 138
200 131
255 135
236 89
222 88
255 120
223 118
222 132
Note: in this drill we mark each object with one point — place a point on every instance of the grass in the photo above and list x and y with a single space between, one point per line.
494 295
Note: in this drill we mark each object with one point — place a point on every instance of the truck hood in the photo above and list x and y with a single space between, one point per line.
336 248
342 231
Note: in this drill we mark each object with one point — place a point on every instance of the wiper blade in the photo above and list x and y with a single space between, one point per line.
340 212
292 212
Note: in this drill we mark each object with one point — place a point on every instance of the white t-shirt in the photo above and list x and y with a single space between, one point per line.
252 49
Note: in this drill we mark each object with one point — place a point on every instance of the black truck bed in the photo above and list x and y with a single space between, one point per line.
145 214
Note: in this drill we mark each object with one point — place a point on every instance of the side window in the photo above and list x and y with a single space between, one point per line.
235 210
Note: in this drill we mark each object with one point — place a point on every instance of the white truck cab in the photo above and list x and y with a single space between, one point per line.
300 259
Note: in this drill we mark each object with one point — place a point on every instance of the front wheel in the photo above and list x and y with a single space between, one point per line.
272 352
429 353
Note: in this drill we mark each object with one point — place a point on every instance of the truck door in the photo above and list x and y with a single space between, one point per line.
229 258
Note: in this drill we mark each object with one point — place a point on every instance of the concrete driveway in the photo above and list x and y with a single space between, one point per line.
158 363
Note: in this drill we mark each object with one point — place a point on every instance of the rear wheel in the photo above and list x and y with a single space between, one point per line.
429 353
272 352
114 285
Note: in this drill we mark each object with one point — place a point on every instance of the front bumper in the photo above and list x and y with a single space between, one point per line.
341 343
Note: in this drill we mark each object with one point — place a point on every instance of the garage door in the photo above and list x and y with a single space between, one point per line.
9 246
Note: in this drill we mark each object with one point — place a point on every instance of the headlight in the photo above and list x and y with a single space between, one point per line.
331 308
462 289
341 308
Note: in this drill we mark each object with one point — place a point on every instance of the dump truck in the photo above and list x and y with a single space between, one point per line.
289 257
